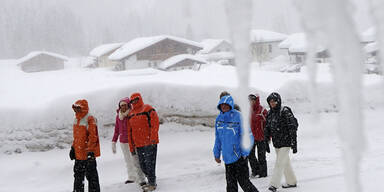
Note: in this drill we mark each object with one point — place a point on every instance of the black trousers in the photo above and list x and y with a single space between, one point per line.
147 159
259 164
238 173
86 168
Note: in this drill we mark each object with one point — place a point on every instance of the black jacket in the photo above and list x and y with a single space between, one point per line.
281 125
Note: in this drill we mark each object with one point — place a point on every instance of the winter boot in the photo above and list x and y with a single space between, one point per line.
272 188
289 186
129 181
148 188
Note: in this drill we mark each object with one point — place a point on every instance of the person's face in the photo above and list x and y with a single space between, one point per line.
252 102
134 101
76 108
272 103
225 108
124 107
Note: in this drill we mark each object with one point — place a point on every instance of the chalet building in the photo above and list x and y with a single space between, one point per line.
264 45
215 46
147 52
38 61
101 53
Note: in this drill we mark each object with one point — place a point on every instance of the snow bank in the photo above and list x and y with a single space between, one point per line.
36 114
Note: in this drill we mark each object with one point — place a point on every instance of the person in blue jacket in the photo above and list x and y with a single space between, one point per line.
228 134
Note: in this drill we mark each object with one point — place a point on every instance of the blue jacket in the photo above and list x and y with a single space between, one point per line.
228 133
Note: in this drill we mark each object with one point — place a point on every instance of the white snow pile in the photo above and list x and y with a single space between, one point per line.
37 53
178 58
262 36
104 49
140 43
210 44
36 114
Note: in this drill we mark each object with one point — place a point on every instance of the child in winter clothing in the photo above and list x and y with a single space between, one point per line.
228 143
258 119
281 127
85 148
143 137
135 174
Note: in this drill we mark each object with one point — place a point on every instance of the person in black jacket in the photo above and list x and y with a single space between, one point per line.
281 126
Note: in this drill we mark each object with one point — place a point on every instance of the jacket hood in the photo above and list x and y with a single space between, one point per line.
140 100
227 100
275 96
126 100
84 108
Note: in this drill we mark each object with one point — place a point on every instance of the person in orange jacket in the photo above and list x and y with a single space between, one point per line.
85 148
143 137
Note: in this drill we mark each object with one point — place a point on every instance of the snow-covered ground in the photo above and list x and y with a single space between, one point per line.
185 161
36 115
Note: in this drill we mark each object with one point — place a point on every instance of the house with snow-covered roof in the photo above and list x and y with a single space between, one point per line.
147 52
296 47
38 61
180 62
217 50
102 52
215 45
264 44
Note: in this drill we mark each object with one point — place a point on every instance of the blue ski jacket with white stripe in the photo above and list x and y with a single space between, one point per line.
228 133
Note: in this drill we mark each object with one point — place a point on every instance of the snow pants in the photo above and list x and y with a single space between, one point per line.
283 165
259 164
86 168
238 172
133 166
147 158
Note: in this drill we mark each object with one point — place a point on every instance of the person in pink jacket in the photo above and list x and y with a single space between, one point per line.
135 174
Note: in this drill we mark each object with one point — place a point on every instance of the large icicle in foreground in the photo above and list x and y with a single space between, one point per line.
335 29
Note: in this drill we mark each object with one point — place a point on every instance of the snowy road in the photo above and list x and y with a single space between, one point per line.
185 161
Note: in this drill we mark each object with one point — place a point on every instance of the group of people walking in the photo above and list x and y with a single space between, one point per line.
136 128
278 124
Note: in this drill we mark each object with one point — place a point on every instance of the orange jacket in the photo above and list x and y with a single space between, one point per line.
85 135
143 124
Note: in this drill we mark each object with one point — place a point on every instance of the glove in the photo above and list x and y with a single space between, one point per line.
294 149
267 149
72 155
91 155
113 147
133 153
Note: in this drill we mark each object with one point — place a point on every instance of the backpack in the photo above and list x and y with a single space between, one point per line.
295 122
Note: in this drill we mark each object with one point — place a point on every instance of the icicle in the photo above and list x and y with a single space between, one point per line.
239 16
335 27
377 7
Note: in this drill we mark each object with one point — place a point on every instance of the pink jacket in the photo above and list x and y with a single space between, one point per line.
121 128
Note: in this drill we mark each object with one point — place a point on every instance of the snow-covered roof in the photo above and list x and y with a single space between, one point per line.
140 43
297 43
210 44
37 53
218 56
371 47
178 58
104 49
261 36
368 35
